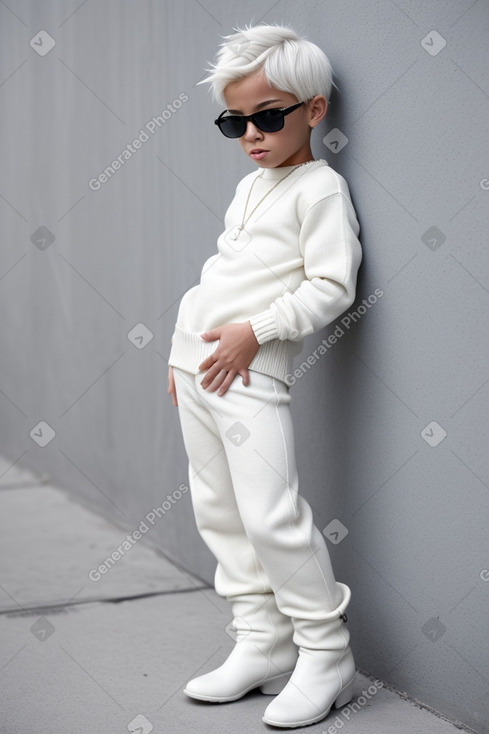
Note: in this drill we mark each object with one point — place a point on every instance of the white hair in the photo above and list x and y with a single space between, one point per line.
290 63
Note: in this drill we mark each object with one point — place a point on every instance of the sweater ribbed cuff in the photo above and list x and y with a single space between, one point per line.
264 326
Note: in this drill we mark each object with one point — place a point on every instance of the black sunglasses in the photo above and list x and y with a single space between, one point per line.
268 121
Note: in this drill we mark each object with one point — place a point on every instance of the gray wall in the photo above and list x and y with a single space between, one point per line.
407 370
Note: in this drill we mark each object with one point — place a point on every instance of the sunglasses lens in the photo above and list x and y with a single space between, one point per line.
270 121
232 126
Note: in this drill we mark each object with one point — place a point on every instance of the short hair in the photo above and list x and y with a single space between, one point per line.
290 63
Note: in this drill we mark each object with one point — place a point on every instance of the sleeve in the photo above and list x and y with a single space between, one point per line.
332 255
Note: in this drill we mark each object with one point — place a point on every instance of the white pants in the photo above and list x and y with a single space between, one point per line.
244 488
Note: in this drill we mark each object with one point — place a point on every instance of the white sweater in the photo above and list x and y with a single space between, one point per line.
292 270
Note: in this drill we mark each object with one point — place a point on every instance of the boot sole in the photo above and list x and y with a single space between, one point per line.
344 697
270 687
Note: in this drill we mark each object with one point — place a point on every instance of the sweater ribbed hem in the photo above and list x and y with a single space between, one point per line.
274 358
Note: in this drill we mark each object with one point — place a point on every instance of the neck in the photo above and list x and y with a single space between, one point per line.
303 155
281 171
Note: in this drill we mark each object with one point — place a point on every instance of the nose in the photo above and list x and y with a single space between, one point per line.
252 132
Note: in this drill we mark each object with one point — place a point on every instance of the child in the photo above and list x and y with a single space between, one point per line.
286 266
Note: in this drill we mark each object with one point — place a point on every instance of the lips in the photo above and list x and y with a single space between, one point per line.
257 154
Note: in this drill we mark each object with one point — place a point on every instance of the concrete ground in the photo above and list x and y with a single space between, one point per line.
112 655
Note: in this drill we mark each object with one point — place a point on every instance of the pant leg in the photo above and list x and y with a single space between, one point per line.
238 572
255 432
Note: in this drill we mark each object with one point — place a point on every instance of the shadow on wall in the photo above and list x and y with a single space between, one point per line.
327 389
329 392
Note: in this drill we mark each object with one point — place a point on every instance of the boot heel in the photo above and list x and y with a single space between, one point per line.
274 686
345 696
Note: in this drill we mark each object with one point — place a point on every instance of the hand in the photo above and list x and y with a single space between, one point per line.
236 349
171 387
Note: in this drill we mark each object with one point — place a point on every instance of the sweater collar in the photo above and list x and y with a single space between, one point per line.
274 174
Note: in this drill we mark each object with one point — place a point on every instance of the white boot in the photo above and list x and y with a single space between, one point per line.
324 673
263 657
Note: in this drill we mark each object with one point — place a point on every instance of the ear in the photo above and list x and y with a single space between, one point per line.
318 106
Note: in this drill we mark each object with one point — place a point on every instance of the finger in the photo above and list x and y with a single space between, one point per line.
209 376
245 376
211 336
226 383
172 390
174 395
217 381
207 363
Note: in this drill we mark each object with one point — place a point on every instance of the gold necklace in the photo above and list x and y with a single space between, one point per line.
240 227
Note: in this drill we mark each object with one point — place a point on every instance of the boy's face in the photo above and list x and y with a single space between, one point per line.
287 147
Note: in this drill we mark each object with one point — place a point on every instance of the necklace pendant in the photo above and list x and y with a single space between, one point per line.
235 233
